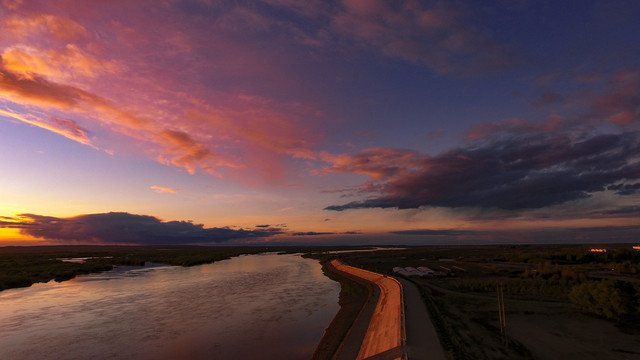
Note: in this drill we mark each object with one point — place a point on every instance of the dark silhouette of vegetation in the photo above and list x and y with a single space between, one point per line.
608 298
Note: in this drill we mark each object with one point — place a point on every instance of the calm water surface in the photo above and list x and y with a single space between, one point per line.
251 307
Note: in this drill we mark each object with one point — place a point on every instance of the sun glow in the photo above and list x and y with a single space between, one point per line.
10 235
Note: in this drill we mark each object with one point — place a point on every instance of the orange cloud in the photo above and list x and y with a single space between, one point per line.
38 91
188 153
66 63
177 148
44 24
160 189
378 163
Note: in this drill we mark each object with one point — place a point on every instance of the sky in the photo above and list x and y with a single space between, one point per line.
225 122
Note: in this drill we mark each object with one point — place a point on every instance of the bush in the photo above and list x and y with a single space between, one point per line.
608 298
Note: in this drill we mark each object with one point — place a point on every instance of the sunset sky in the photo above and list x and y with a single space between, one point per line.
319 122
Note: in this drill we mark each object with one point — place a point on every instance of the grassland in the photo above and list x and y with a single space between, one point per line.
561 301
543 318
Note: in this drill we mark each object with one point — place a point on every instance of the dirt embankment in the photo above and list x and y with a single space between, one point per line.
354 294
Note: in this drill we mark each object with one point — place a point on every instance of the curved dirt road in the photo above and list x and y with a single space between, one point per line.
383 339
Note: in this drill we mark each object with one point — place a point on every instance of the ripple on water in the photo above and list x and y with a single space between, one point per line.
256 306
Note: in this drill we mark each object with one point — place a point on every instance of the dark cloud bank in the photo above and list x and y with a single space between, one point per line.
314 233
577 235
515 173
125 228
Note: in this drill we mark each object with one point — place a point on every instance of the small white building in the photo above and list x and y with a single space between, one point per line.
410 271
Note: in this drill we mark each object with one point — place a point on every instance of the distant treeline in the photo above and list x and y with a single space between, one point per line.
22 266
578 256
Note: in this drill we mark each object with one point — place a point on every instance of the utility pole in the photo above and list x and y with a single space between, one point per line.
501 315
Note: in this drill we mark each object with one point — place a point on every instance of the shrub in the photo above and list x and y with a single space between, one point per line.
608 298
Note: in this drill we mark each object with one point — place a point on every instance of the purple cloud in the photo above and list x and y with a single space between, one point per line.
515 173
125 228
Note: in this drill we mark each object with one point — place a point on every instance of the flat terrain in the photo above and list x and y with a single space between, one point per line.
542 322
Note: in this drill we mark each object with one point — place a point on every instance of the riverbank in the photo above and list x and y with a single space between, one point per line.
22 266
378 329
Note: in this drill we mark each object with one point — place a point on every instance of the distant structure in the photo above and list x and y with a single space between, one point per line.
637 248
594 250
421 271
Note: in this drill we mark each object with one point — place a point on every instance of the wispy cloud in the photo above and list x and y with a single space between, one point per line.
601 98
620 101
47 25
436 34
65 127
191 103
160 189
67 66
67 62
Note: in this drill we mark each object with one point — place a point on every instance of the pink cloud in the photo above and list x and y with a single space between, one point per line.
606 97
103 69
621 100
150 78
65 127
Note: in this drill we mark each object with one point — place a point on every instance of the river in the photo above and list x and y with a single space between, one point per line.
263 306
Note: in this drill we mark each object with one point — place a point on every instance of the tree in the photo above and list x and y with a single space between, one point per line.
608 298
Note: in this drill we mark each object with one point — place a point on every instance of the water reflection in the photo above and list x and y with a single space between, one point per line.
250 307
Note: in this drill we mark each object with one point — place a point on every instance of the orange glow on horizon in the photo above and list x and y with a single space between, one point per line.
11 235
